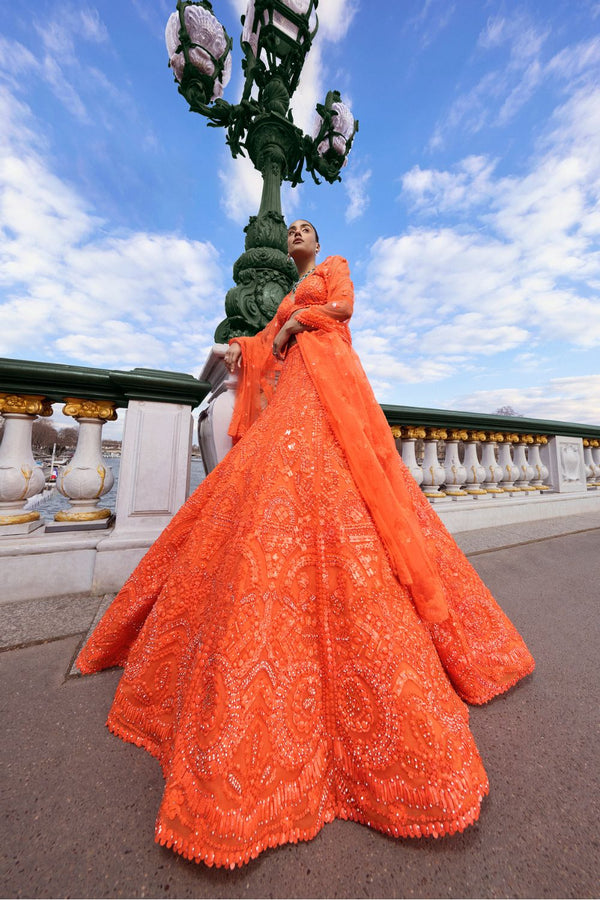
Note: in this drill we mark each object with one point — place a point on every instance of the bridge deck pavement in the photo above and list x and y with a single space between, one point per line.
79 805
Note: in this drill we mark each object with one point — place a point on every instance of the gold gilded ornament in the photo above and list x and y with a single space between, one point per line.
396 431
25 404
90 409
91 516
412 432
20 519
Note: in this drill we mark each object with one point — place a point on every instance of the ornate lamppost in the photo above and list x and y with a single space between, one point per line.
276 36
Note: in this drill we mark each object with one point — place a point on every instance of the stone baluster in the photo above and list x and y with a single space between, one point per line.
214 419
20 477
595 450
591 469
540 471
433 473
475 471
526 472
506 462
456 473
493 470
410 434
87 477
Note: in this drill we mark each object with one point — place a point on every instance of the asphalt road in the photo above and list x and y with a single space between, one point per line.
78 805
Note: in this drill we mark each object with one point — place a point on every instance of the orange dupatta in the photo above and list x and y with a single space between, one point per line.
356 420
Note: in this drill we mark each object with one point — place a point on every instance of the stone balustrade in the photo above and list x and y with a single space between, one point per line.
485 470
457 463
478 470
86 547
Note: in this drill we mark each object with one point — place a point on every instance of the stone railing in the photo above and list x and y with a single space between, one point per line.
479 470
38 557
483 470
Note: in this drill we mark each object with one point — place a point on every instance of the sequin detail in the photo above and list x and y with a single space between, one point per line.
278 670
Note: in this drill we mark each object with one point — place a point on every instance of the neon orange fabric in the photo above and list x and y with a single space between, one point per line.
274 663
326 303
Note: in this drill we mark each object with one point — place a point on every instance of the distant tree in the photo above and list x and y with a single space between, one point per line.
43 436
67 439
506 411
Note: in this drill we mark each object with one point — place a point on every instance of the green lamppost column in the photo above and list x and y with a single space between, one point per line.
276 36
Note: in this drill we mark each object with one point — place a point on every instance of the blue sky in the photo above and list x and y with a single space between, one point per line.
469 210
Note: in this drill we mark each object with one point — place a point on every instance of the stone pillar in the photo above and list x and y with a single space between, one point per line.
475 471
493 471
526 472
155 456
595 449
563 455
410 434
433 473
592 469
540 471
506 463
455 471
214 419
20 477
87 477
154 480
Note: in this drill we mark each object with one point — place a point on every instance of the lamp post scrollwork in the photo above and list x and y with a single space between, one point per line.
276 37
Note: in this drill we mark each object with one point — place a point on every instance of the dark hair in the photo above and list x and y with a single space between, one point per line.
315 230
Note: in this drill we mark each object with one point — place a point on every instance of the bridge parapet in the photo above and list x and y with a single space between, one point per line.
86 547
478 470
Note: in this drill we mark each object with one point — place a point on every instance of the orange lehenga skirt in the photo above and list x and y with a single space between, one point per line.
279 671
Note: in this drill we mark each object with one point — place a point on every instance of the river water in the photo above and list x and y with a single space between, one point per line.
53 502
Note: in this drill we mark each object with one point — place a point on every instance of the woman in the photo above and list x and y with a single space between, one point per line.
297 642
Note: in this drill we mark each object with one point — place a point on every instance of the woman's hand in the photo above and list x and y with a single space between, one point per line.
233 357
291 327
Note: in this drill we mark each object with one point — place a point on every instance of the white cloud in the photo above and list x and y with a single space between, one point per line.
431 19
242 189
530 262
241 184
357 187
572 399
438 191
72 291
516 267
501 93
576 60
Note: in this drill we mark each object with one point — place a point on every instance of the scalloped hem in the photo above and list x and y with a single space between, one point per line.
497 691
87 668
130 737
435 829
166 837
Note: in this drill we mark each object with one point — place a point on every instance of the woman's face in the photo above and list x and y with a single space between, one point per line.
302 239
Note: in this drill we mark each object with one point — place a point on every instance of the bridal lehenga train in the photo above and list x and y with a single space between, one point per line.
278 667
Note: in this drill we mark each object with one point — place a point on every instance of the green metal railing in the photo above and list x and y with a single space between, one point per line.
470 421
57 382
